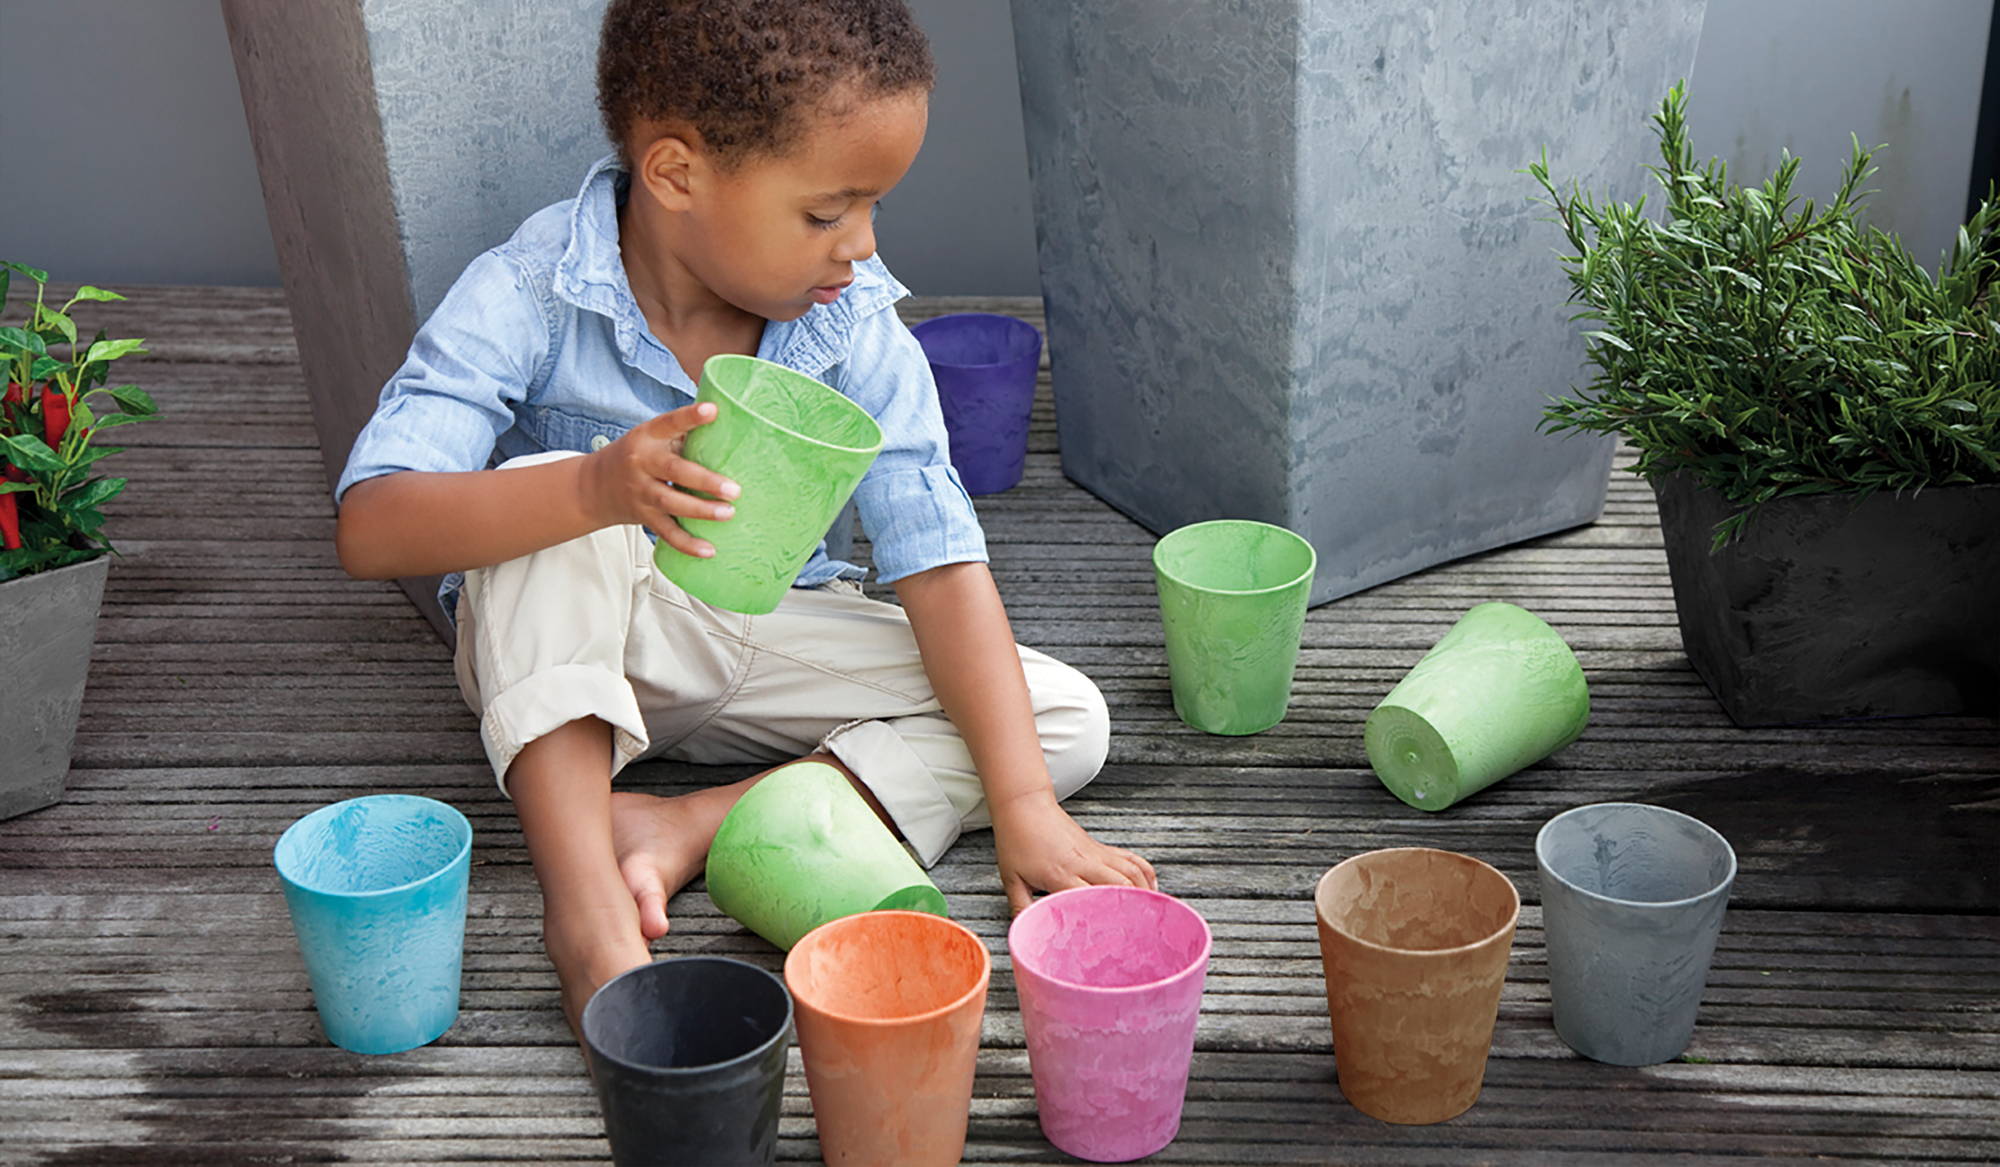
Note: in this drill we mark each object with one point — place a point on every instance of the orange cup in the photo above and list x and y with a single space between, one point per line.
1415 945
888 1013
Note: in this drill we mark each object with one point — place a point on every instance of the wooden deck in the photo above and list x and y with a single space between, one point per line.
153 1009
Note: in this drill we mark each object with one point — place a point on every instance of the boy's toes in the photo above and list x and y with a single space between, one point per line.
642 877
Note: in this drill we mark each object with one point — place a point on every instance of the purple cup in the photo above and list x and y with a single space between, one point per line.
1110 981
985 368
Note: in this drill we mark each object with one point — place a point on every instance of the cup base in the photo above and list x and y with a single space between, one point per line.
1083 1150
1407 1115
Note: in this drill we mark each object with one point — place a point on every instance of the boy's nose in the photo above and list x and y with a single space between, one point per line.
857 245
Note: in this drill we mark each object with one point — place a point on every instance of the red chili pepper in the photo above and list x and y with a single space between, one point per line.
10 523
14 395
55 414
13 473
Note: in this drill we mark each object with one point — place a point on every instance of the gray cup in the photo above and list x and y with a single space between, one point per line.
1632 901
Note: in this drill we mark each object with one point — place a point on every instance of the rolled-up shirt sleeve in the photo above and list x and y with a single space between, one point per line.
914 508
468 367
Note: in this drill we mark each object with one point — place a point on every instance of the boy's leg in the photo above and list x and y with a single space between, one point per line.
833 671
542 657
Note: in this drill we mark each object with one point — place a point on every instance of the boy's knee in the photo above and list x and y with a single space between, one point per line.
1075 726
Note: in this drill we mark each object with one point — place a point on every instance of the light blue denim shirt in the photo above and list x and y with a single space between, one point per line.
540 346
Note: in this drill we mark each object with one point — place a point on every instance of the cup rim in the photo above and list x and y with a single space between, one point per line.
918 328
453 813
1197 965
759 1050
978 988
1720 886
733 358
1513 919
1312 558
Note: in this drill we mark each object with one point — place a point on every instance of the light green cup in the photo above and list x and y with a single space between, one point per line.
1233 604
801 848
1499 693
798 449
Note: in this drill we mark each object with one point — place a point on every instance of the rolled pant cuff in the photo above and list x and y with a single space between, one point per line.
900 781
552 698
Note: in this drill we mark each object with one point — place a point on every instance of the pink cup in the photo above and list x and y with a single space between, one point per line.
1110 980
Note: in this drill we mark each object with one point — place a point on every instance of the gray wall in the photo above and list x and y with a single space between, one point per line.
151 179
127 113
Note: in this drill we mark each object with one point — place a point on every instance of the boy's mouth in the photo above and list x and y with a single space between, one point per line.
828 293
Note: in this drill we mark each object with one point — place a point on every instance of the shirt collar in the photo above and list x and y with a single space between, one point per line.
591 275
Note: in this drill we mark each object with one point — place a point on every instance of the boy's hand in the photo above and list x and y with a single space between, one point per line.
1040 848
634 480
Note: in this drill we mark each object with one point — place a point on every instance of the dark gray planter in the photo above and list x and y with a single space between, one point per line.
1830 607
48 623
1293 273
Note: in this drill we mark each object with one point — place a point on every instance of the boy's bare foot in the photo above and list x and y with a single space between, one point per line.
588 953
661 844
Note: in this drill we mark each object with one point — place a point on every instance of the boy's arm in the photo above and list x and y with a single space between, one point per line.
969 654
420 523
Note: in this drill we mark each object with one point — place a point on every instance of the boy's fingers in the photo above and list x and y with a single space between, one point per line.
1148 877
696 477
679 421
1018 895
676 536
679 502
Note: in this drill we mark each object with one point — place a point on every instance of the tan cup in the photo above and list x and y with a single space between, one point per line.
1415 944
888 1006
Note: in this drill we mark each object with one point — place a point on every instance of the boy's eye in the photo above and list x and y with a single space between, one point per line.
874 213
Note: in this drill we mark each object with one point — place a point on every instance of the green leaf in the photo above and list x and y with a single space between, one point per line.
32 454
44 368
34 273
134 400
94 493
15 487
48 319
21 340
116 419
86 292
81 416
111 350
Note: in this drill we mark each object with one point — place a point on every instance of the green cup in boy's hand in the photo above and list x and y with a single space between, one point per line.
803 447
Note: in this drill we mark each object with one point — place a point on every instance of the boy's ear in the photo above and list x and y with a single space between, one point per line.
666 168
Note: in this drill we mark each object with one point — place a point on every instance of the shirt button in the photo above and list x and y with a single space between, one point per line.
598 442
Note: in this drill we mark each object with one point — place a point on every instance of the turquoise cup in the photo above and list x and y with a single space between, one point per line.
376 888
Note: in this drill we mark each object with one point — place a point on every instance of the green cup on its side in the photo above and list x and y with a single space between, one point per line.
1233 605
798 449
801 848
1499 693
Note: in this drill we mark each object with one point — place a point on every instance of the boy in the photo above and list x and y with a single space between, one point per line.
755 140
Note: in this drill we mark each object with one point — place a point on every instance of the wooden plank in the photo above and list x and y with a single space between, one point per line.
152 1008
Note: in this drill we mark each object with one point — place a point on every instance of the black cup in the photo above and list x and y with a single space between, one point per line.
688 1056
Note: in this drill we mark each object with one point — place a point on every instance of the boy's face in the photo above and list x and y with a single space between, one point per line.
778 234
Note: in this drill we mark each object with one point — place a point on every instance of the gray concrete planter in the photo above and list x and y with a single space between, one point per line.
48 623
395 141
1292 272
1831 607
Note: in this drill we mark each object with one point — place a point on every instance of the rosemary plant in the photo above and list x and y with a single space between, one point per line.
1770 347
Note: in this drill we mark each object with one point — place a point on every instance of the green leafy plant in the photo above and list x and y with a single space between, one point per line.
57 404
1770 347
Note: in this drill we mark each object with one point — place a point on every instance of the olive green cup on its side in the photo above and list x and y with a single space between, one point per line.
1499 693
798 449
1233 606
801 848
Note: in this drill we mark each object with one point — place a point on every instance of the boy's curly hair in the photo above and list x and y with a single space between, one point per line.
741 73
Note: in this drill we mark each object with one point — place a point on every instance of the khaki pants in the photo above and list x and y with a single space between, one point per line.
591 628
